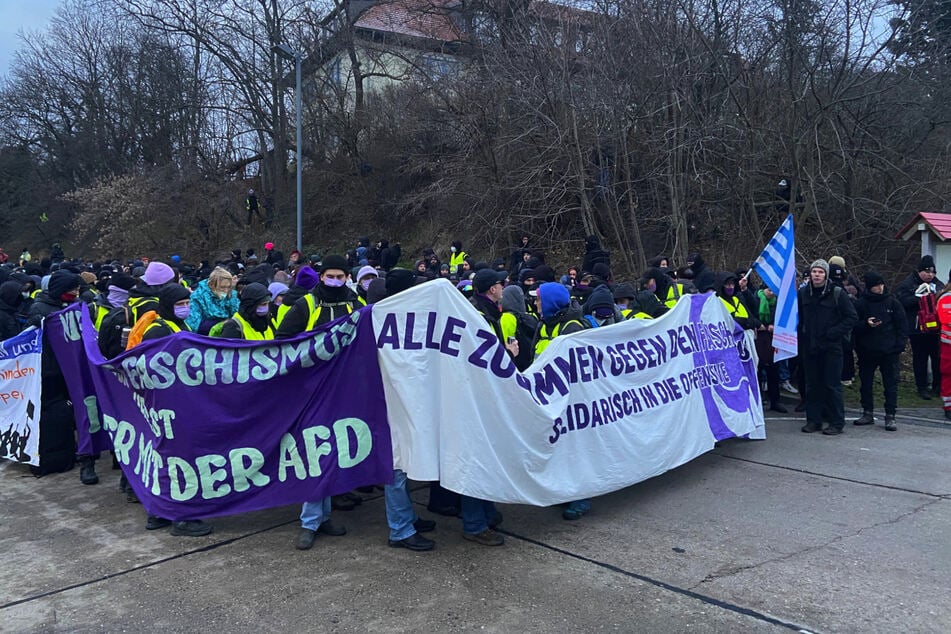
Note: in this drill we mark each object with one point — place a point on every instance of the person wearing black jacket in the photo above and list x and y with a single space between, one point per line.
389 255
594 254
703 278
925 346
881 334
10 300
57 423
252 322
826 317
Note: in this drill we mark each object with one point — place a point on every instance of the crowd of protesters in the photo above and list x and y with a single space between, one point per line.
525 301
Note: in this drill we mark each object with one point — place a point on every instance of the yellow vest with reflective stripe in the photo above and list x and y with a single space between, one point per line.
314 309
674 292
248 333
545 337
738 310
456 259
628 313
161 322
101 312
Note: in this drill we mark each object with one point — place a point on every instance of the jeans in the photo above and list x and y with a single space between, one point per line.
888 363
476 514
782 368
313 514
399 507
823 372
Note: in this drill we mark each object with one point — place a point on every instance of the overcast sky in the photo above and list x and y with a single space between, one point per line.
29 15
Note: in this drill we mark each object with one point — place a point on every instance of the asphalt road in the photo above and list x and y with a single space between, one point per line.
798 532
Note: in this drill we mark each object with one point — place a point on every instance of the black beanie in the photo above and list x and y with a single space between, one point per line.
399 280
121 280
334 261
873 278
926 264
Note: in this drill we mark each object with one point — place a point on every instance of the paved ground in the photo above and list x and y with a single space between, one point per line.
830 534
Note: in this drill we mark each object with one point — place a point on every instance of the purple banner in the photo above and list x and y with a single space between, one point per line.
205 427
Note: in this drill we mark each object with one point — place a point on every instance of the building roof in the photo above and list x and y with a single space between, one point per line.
938 223
429 19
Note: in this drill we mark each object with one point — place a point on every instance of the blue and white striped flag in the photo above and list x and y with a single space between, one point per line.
777 266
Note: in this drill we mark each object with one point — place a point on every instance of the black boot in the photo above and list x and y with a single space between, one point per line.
87 472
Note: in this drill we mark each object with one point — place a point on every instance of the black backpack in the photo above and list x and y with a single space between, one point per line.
525 328
110 331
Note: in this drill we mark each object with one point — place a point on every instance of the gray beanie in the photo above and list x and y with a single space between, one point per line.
820 264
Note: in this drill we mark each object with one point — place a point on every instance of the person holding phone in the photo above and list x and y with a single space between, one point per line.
881 334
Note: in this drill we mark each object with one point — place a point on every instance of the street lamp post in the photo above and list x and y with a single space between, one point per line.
285 51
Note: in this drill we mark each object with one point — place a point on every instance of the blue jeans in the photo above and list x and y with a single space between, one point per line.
782 368
399 507
476 514
313 514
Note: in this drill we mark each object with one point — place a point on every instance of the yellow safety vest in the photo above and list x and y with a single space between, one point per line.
314 309
161 322
545 337
674 292
628 313
101 312
738 310
248 333
456 260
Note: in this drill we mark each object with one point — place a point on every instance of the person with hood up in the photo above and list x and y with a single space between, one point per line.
881 335
252 321
456 257
10 300
726 288
924 337
518 324
422 270
143 297
665 290
826 317
558 318
701 275
600 310
389 255
174 308
214 300
117 294
594 254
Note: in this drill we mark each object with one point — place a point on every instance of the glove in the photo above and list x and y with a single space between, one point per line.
923 290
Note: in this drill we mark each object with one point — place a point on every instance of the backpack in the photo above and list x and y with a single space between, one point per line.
110 331
525 327
135 337
217 328
927 314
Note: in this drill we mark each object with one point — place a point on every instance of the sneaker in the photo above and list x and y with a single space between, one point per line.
191 528
786 386
809 428
414 542
130 495
832 431
866 419
331 529
424 526
847 383
488 537
890 422
87 474
154 523
305 539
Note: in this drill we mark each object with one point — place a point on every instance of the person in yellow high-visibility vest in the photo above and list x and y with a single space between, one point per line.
726 291
252 321
457 257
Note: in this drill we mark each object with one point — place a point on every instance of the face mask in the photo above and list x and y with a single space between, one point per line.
26 294
69 297
117 296
622 306
262 310
182 312
453 249
332 283
366 284
652 286
220 294
728 291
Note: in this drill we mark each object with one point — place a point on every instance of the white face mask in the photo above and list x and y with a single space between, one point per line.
453 249
220 294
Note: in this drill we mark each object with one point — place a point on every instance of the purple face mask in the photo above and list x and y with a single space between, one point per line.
117 296
262 310
366 284
333 283
182 312
728 291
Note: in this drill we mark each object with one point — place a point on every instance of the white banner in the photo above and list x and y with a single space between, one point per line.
20 388
598 411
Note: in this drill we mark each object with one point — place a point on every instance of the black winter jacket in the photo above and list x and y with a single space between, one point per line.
889 337
905 292
826 318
